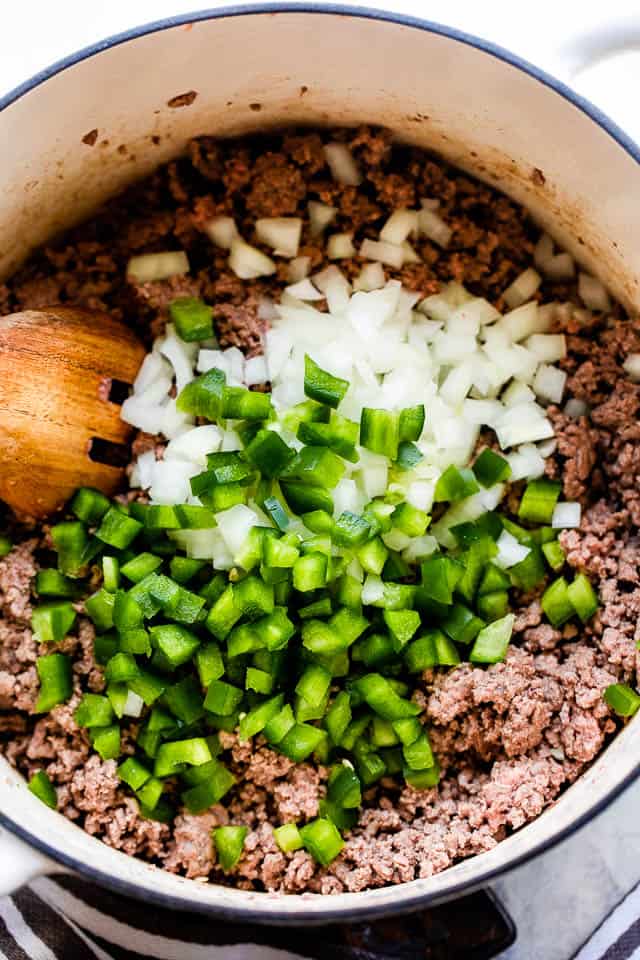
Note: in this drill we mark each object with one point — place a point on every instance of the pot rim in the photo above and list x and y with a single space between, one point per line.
346 906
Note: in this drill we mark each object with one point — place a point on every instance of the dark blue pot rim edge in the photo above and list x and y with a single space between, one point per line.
407 900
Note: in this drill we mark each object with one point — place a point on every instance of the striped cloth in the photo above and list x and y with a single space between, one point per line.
66 918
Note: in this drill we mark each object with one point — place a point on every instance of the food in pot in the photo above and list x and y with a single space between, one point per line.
369 602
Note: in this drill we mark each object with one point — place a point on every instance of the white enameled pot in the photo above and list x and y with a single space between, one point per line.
253 68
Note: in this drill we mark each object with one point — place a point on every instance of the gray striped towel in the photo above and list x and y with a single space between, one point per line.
66 918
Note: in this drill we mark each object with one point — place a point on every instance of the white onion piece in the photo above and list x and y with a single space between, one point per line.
255 370
267 310
547 447
320 216
174 350
198 544
355 570
399 226
230 441
141 415
547 347
157 392
171 481
510 551
592 293
632 367
429 203
174 422
482 412
142 473
549 383
560 267
372 590
195 444
234 524
389 253
133 705
346 496
432 226
222 231
373 474
368 312
478 310
523 288
304 290
213 359
457 383
419 548
336 288
576 408
342 164
522 322
517 392
566 515
154 367
282 234
147 267
248 262
395 539
522 423
526 463
340 246
298 269
371 277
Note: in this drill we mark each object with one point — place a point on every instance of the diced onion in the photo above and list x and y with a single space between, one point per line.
282 234
522 288
171 481
340 246
371 277
222 231
320 216
234 524
419 548
194 445
372 590
526 463
248 262
154 367
510 551
400 224
174 350
566 515
522 423
523 321
420 494
576 408
147 267
632 367
592 293
517 392
396 539
547 347
335 286
255 370
298 269
549 383
389 253
304 290
432 226
141 415
145 465
342 164
133 705
558 266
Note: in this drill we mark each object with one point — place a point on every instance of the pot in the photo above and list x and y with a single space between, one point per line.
81 131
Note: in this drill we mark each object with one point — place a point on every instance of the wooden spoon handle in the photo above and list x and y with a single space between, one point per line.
56 370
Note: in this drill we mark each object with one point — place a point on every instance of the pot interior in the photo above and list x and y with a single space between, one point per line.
84 132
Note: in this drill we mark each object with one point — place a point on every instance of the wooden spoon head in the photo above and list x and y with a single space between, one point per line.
57 367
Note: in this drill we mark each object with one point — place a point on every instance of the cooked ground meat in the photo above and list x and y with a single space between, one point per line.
509 737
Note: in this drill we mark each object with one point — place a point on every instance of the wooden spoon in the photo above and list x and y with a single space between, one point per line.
60 428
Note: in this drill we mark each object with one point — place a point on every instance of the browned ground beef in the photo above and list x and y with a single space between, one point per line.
509 737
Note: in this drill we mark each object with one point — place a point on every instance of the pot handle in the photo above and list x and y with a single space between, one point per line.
611 31
20 863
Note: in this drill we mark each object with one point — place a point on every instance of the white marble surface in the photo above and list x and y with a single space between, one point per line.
561 897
